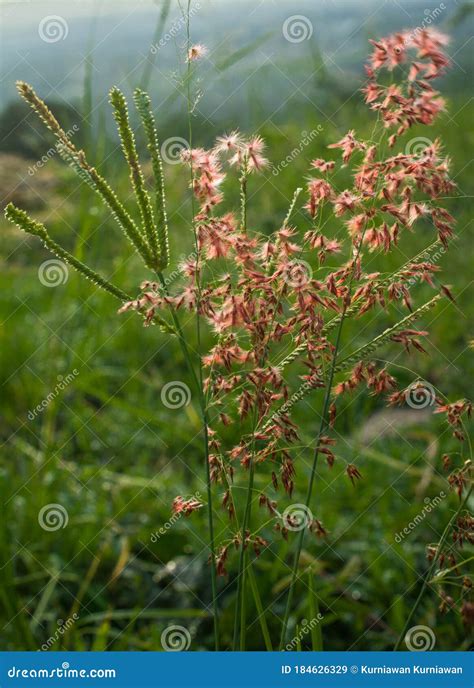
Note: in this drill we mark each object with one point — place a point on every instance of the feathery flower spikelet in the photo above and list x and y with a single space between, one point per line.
197 52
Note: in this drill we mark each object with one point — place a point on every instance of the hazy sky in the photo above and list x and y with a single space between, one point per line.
121 35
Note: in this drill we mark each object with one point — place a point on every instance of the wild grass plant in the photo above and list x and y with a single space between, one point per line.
279 303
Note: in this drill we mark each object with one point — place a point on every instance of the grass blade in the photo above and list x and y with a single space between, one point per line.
314 616
260 611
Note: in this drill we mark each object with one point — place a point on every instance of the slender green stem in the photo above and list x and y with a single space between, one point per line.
240 603
322 427
205 418
243 195
260 610
240 600
431 569
205 423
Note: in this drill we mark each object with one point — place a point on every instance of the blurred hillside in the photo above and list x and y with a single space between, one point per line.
253 72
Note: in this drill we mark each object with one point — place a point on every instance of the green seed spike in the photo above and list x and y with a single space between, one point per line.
22 220
360 354
127 138
354 308
367 350
143 105
76 159
90 175
292 206
27 224
44 113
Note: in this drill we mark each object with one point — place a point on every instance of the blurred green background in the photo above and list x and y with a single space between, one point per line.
105 447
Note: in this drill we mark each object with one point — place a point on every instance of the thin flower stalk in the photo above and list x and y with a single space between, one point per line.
323 425
431 570
202 396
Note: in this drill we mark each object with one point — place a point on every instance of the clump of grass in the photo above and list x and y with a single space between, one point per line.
272 303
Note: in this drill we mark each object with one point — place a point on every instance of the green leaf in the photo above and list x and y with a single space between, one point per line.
260 610
314 614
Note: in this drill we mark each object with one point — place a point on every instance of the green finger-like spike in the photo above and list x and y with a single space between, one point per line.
367 350
127 138
22 220
27 224
360 354
143 104
76 159
44 113
91 177
354 308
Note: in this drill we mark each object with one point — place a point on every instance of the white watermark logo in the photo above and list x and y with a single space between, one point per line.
430 505
63 382
417 146
420 639
176 27
175 639
420 395
53 517
175 394
50 153
297 28
305 628
53 28
53 273
306 139
172 149
154 537
430 17
298 273
63 626
297 517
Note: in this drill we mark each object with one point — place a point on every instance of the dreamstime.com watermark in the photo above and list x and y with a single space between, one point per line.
63 626
433 257
64 671
63 382
178 272
430 17
50 153
313 382
154 537
305 628
430 505
305 140
175 29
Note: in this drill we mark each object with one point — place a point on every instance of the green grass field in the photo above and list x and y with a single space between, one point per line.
107 449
